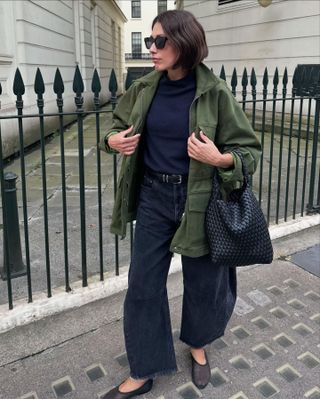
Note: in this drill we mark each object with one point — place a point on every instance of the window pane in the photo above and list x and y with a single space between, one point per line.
162 6
136 41
135 9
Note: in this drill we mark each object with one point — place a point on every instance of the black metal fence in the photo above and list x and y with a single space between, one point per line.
287 182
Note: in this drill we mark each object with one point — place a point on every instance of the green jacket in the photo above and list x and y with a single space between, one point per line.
216 112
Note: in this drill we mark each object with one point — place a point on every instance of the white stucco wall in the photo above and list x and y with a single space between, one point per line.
244 34
50 34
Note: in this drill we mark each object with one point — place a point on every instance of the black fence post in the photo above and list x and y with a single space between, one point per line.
113 88
12 260
311 208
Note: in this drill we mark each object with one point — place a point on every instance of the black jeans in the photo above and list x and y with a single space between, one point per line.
209 293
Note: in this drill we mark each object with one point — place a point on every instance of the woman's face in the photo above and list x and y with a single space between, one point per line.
163 59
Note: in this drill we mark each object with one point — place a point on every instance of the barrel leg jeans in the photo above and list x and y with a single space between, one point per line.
209 292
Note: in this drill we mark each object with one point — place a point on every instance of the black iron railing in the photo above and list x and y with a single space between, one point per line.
286 183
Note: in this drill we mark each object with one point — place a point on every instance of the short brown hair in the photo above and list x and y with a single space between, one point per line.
186 35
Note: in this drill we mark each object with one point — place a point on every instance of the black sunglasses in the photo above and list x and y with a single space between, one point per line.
159 41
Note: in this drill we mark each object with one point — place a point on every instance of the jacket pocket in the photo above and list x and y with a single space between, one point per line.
197 205
208 130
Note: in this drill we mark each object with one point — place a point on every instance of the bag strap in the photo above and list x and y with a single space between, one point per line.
245 173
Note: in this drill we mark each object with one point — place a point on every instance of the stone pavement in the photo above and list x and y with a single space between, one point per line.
270 349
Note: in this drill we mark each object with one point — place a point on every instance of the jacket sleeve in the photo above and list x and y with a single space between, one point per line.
121 116
235 131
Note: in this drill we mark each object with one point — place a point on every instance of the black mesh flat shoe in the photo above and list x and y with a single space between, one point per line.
200 373
116 394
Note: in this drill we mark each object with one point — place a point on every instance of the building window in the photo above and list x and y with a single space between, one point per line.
220 2
135 8
136 41
162 6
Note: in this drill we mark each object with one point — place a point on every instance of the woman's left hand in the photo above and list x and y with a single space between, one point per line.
206 151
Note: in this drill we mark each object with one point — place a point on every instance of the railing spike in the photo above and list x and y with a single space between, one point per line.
113 84
78 86
285 77
276 77
253 78
18 85
244 80
222 73
0 89
96 84
129 79
58 86
234 79
265 79
39 86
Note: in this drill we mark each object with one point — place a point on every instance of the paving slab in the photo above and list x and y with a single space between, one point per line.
308 259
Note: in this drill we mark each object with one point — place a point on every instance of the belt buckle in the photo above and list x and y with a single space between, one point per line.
179 179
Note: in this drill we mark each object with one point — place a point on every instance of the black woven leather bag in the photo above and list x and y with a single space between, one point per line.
236 229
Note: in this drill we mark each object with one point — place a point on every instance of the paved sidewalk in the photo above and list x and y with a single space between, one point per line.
270 350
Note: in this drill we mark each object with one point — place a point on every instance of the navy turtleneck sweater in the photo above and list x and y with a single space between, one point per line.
167 126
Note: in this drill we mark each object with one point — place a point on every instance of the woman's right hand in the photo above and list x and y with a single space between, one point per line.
121 143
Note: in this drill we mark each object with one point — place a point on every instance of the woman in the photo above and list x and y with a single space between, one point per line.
174 127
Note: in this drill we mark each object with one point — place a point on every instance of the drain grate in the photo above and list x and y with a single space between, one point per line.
240 332
217 378
240 363
266 387
288 373
309 360
279 312
122 359
219 344
189 391
263 351
62 387
261 322
95 372
283 340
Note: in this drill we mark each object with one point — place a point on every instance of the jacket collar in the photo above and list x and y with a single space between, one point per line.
205 79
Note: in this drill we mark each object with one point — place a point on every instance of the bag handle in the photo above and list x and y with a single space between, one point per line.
216 193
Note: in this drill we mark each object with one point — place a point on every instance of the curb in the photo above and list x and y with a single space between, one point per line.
42 306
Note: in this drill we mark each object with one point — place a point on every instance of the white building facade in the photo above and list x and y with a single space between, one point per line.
50 34
140 14
243 33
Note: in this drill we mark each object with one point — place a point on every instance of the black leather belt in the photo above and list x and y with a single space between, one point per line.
167 178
